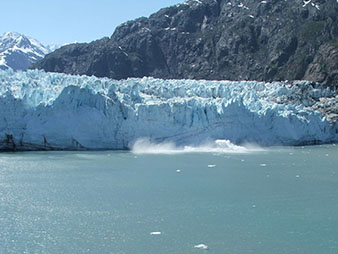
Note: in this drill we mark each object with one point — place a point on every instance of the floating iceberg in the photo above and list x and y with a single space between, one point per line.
44 111
201 246
155 233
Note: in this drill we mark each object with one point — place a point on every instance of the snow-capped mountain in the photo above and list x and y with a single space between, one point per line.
44 111
53 47
19 52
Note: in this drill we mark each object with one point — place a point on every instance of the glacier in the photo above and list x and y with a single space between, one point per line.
52 111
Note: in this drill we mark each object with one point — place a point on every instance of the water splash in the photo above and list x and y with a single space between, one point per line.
145 146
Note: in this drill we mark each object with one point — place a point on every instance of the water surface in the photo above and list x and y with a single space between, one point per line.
283 200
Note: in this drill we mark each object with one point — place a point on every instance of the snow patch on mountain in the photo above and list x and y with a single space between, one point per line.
57 111
19 52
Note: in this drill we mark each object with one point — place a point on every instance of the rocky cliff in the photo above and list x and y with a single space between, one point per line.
217 40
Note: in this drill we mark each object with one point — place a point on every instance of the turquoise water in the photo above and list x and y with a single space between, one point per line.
274 201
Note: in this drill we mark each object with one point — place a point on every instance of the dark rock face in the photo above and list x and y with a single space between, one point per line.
324 68
215 39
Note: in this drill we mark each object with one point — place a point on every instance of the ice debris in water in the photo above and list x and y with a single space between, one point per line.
58 111
211 166
156 233
201 246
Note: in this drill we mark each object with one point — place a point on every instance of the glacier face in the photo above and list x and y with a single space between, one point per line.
56 111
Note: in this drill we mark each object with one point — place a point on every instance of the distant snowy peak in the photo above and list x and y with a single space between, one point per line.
19 52
53 47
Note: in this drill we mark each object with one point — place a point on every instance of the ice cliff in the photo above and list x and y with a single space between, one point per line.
42 111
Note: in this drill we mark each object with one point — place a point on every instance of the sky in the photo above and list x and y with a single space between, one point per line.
68 21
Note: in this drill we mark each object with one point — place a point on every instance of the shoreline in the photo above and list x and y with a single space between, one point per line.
127 149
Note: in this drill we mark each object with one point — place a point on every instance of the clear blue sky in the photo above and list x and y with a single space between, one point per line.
66 21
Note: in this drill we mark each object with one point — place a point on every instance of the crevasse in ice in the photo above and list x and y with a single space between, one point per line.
40 110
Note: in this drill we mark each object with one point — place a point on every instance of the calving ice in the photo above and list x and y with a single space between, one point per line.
46 111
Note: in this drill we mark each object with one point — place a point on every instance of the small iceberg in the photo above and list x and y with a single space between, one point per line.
211 166
201 246
155 233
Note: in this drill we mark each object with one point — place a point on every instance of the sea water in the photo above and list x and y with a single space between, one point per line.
277 200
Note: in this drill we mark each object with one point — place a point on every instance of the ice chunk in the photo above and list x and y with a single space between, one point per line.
201 246
155 233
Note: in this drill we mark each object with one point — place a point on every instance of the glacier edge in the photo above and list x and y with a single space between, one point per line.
51 111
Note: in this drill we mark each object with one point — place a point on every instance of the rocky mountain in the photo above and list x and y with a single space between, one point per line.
261 40
19 52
